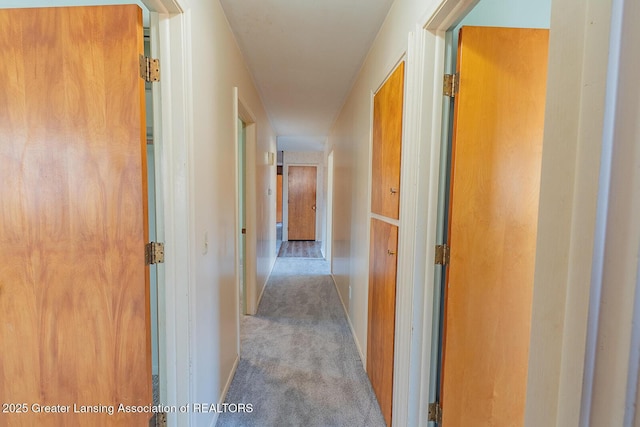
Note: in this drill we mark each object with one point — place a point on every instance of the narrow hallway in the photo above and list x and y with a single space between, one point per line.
299 364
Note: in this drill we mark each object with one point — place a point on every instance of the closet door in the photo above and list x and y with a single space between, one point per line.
382 312
387 145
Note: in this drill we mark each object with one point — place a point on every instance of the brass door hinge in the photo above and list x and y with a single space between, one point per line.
442 254
154 253
149 69
450 84
159 419
435 412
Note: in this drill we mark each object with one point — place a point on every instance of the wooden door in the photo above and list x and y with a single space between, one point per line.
382 312
387 145
302 202
74 294
495 180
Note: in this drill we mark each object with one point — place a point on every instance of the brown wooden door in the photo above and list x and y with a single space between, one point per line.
302 202
495 180
74 323
387 145
382 312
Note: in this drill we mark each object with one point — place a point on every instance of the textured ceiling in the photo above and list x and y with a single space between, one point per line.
304 56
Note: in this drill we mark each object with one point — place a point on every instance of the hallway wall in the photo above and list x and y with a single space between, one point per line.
218 69
579 32
350 139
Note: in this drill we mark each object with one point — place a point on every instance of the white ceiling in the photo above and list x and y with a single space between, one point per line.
304 56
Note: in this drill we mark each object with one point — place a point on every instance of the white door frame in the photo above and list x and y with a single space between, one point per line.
251 287
612 363
327 241
418 211
170 29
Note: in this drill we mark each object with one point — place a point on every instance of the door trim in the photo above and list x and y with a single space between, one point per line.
169 29
251 294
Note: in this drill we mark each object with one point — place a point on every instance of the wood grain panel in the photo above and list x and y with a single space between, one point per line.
302 202
387 145
497 146
382 312
73 284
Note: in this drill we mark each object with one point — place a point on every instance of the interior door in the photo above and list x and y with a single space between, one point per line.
495 180
74 292
302 202
383 262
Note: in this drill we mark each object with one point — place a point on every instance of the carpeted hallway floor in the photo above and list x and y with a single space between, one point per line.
301 249
299 365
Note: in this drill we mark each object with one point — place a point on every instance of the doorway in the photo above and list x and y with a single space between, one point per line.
246 141
242 214
153 227
447 341
279 201
301 185
328 241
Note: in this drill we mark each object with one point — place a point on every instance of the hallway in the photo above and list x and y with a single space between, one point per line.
299 364
125 249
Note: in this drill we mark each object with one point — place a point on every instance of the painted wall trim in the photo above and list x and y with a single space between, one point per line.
610 386
175 141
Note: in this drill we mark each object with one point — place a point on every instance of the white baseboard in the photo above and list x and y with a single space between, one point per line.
353 332
225 390
264 285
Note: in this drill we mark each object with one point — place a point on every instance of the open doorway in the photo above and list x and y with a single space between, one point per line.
328 241
153 226
279 207
246 142
242 214
524 21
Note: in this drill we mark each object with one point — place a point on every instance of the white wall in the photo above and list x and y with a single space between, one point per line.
218 67
350 139
611 392
578 49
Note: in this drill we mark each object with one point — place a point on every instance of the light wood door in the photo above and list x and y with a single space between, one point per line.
302 202
387 145
495 180
382 312
74 292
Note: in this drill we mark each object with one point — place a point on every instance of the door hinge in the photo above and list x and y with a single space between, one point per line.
149 69
159 419
154 253
442 254
450 84
435 412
